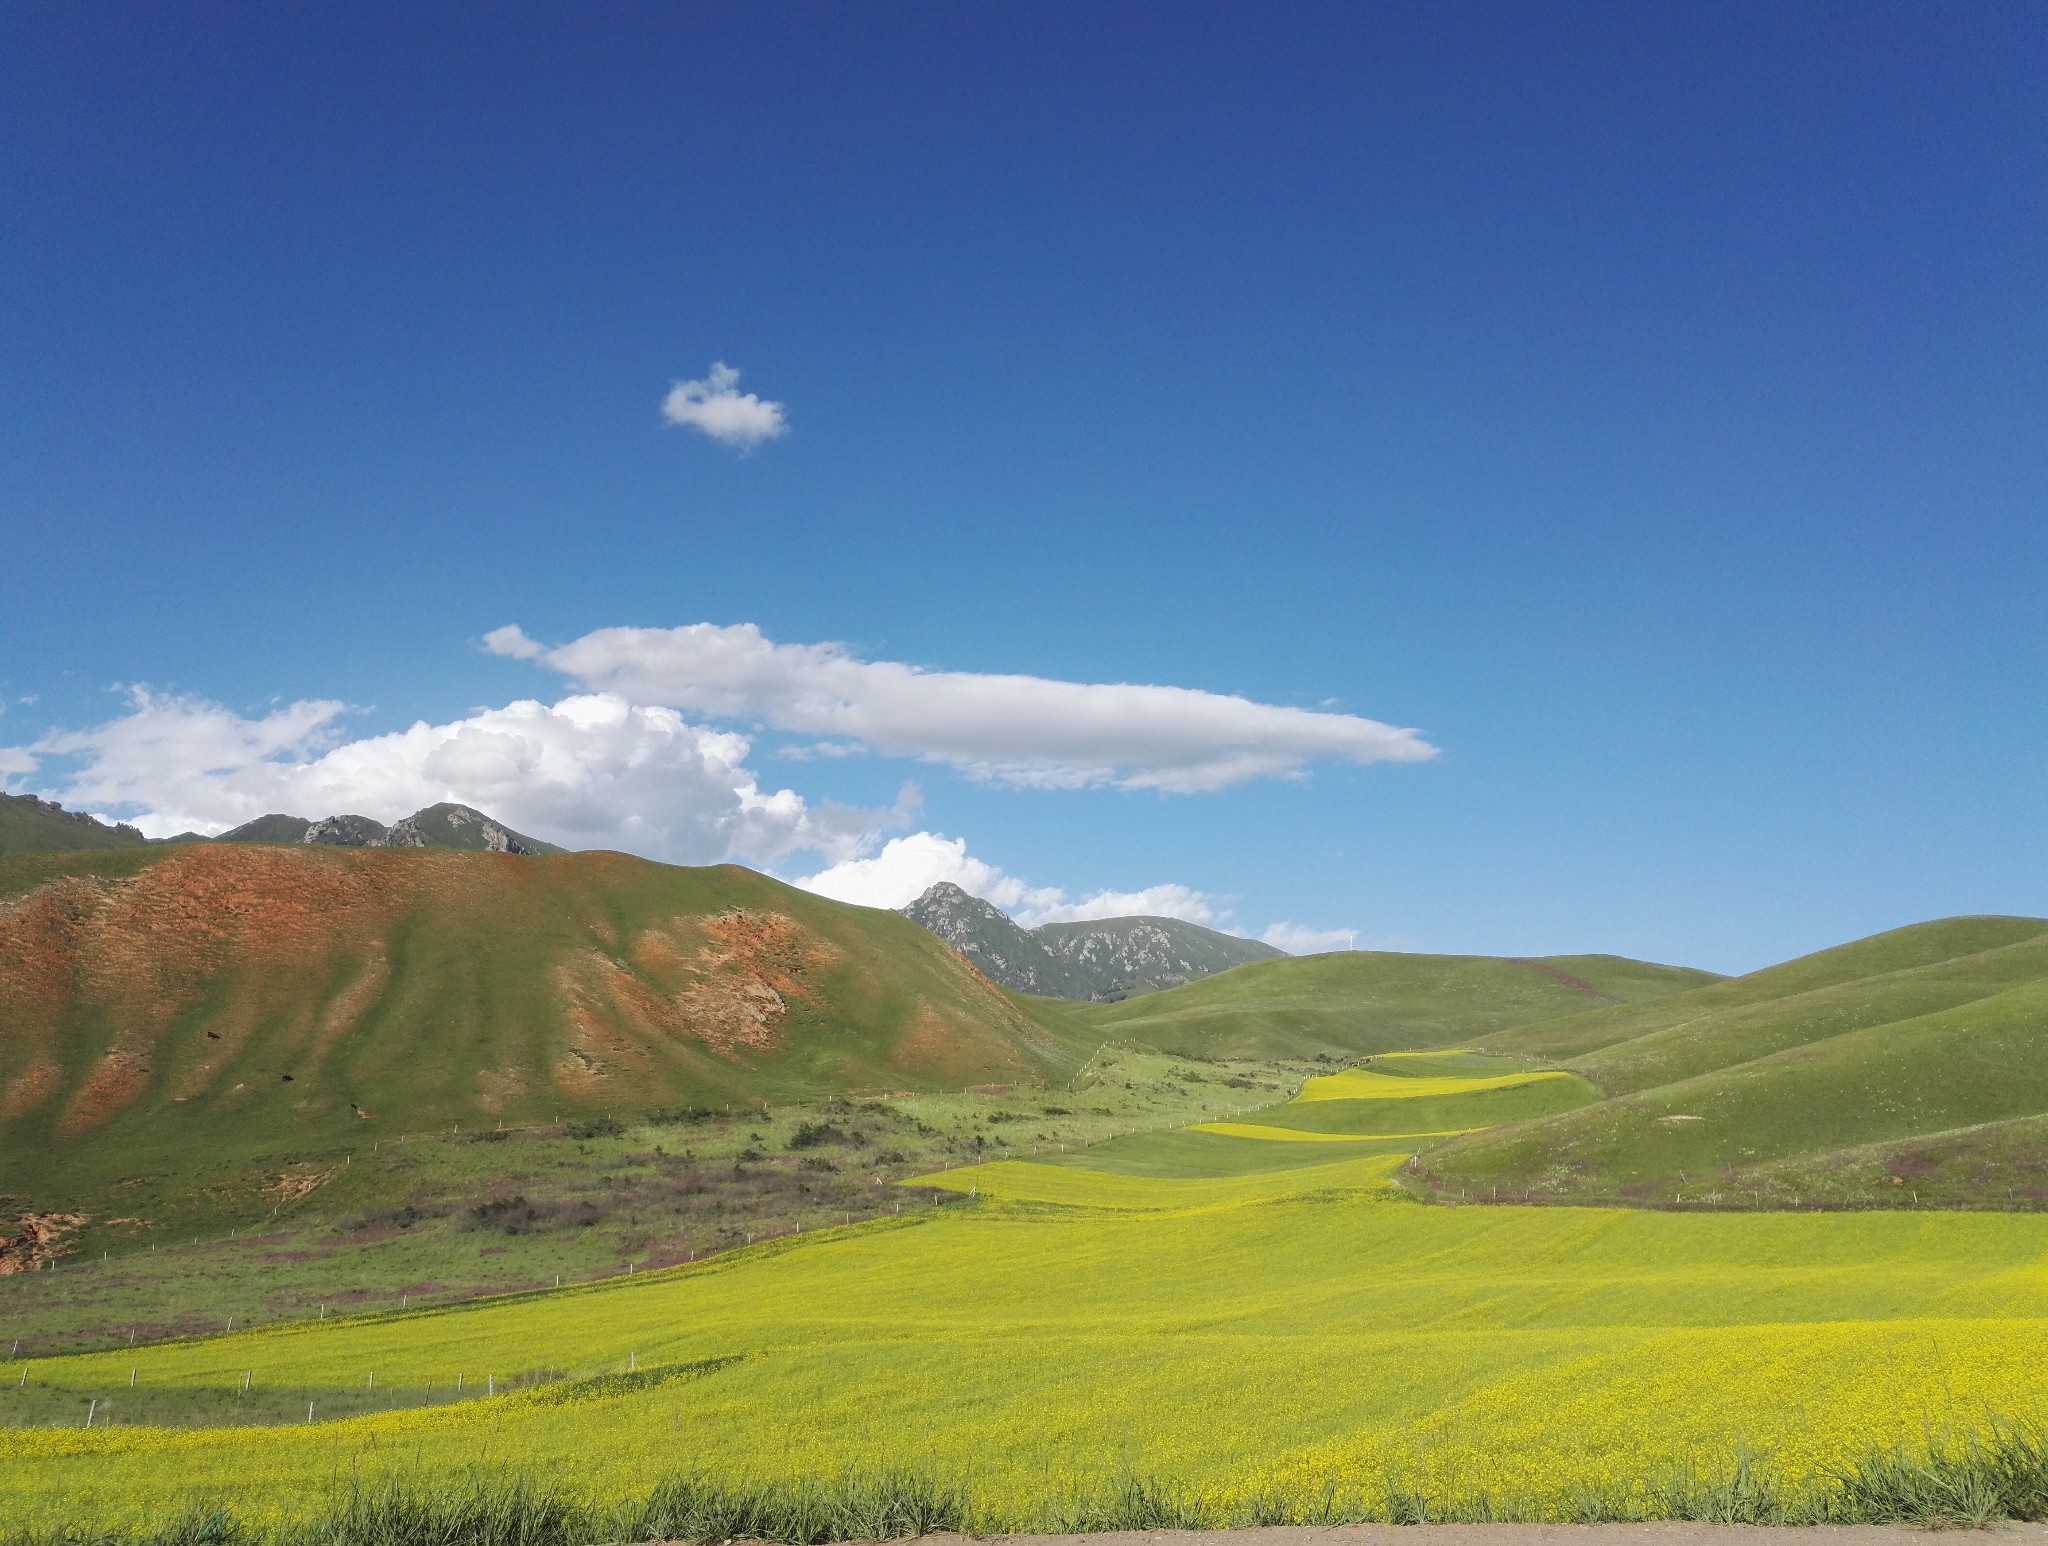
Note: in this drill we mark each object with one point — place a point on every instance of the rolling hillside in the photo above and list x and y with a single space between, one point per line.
1914 1061
29 825
1366 1001
200 1009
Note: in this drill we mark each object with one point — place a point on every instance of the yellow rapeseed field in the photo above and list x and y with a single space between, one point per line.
1275 1339
1364 1084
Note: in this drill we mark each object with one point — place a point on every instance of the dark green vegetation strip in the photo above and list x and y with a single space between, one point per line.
1202 1156
602 1387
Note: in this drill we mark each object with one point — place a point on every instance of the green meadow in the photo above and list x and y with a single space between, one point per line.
1287 1338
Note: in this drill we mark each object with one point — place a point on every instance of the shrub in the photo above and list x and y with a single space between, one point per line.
682 1116
810 1134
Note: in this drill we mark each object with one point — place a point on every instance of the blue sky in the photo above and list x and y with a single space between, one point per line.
1642 403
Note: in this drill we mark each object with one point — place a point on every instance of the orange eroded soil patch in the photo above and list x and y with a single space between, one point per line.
135 953
37 1238
725 982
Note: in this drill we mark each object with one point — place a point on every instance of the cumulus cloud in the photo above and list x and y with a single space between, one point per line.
1021 730
590 771
907 867
716 406
1299 940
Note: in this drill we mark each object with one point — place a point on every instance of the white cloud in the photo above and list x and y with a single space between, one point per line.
1022 730
716 406
816 751
1299 940
589 771
909 866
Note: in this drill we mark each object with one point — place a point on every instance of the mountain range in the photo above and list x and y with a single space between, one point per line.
1106 960
32 825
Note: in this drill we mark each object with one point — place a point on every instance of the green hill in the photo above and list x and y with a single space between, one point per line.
1918 1057
29 825
1366 1001
1900 950
195 1009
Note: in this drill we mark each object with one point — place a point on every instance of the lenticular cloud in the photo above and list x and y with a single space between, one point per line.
1022 730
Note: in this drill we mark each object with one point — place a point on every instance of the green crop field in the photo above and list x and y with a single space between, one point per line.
1295 1339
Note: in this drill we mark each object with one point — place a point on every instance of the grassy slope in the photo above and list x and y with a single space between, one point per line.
1257 1319
1373 1001
1742 1091
152 1003
28 825
443 1217
1234 1339
1900 950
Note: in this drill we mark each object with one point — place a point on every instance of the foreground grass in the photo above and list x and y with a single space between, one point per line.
1335 1347
1998 1477
1080 1346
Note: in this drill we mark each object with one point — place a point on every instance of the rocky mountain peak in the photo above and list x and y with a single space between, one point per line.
1107 958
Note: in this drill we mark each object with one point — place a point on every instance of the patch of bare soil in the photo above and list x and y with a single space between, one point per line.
1577 985
37 1238
725 982
300 1181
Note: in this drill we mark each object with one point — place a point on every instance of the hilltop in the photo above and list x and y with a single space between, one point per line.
460 827
1105 959
1913 1063
29 825
198 1010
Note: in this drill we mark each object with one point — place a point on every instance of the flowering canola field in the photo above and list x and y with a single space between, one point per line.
1276 1338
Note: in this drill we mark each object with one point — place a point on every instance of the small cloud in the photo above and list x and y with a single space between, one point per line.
511 642
716 406
1300 940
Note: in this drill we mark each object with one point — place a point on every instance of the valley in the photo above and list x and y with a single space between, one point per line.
596 1181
